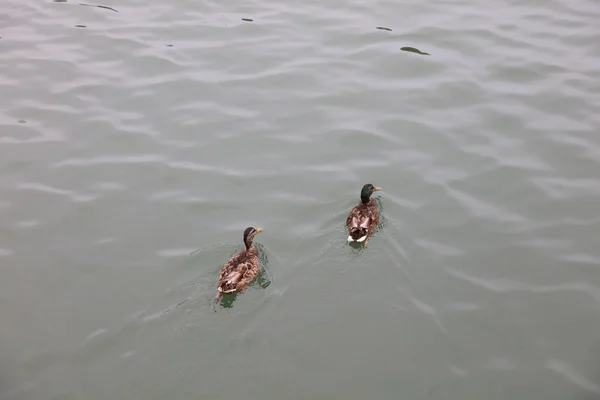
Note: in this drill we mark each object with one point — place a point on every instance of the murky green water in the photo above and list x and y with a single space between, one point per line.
136 149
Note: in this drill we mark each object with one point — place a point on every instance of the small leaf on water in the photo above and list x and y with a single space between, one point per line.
413 50
247 19
80 26
383 28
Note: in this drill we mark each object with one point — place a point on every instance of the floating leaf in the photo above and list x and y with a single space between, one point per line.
247 19
80 26
383 28
413 50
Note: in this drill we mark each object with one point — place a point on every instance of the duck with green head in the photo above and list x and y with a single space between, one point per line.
363 218
242 267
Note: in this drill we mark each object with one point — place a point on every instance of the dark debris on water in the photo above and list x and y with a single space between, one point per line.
99 6
383 28
89 5
414 50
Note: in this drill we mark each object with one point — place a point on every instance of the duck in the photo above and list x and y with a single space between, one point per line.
242 267
363 218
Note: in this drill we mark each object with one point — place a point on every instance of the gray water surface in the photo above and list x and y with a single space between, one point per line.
136 148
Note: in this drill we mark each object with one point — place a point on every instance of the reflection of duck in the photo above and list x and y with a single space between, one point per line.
242 267
364 217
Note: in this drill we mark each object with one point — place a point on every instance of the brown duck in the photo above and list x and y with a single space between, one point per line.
242 267
363 218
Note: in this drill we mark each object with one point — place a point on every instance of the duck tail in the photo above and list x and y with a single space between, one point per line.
357 234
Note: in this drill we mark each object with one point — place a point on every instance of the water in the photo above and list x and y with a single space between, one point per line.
135 150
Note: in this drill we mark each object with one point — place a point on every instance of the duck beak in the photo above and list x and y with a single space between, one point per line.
376 189
258 230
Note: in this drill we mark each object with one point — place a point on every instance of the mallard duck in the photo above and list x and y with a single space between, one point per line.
242 267
364 217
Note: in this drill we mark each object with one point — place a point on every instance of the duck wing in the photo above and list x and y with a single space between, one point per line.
358 223
238 272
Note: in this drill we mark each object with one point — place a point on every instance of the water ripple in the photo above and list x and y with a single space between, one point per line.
508 285
110 159
6 252
572 375
75 197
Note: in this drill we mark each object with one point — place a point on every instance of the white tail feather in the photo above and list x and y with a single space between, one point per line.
362 224
362 239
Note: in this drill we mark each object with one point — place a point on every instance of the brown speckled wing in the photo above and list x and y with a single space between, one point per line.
239 271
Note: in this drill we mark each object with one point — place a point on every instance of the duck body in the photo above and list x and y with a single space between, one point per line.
241 269
363 218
